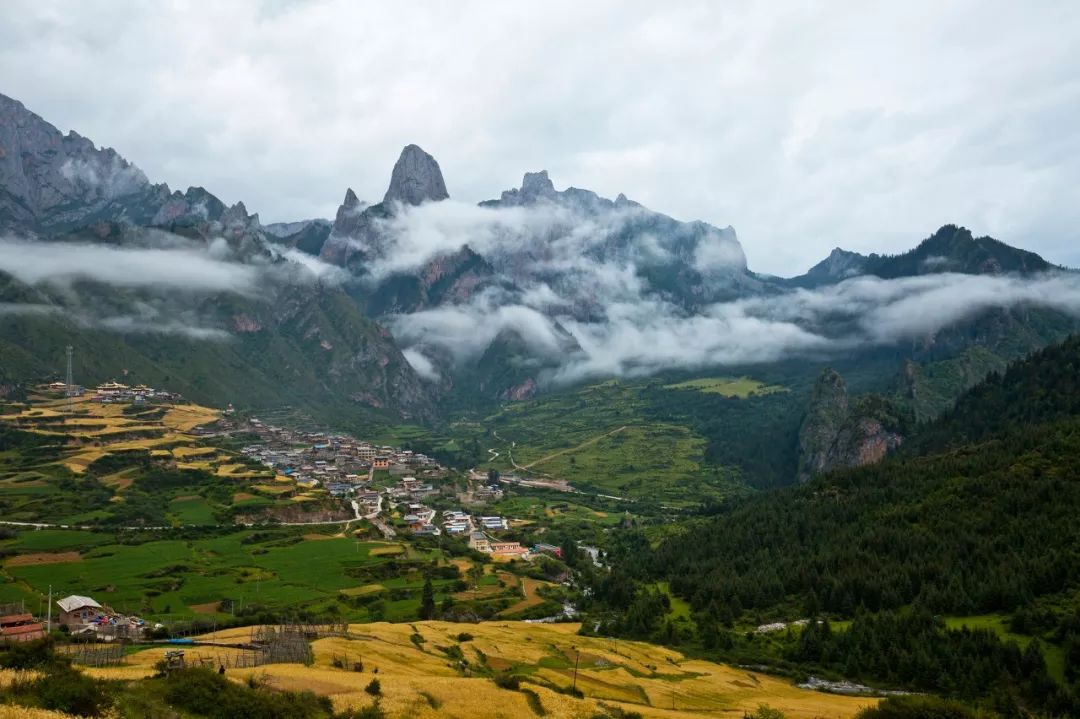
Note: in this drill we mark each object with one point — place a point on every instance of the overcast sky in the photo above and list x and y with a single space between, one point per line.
804 125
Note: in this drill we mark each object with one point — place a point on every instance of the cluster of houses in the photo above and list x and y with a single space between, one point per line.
18 626
335 461
113 391
80 616
118 392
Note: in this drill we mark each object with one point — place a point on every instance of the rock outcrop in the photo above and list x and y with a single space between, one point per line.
416 179
839 431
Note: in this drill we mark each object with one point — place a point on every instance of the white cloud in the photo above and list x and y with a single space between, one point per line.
168 274
423 366
190 269
126 324
110 177
805 126
314 268
648 335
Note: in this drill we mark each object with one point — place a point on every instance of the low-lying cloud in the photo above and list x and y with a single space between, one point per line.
600 294
167 278
185 269
648 336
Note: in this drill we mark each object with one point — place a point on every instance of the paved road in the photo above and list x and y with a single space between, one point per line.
90 527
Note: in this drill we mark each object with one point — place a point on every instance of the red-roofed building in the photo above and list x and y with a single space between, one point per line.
20 628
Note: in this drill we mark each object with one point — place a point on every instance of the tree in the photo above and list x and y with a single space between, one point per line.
493 475
427 600
374 688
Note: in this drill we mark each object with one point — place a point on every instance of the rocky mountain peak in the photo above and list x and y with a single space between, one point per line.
51 180
416 179
537 184
351 200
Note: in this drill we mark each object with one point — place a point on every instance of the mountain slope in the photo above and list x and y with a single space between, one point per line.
981 527
950 249
50 181
301 345
280 335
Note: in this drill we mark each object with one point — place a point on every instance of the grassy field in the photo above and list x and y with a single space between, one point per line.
997 623
421 677
276 569
741 387
599 439
558 513
318 569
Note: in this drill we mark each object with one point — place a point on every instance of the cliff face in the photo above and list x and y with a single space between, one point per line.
51 181
839 431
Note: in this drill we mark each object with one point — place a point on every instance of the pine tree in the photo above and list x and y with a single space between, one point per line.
427 600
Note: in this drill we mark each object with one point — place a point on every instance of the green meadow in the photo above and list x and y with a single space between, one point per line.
605 439
741 387
271 569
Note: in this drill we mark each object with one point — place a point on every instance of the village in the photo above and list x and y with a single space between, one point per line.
386 485
398 492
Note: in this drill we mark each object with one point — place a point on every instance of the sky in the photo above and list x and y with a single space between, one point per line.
805 126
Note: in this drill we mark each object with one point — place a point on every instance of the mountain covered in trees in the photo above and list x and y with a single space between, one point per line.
971 516
975 515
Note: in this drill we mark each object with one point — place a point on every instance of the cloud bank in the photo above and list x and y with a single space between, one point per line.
645 337
187 270
167 278
592 295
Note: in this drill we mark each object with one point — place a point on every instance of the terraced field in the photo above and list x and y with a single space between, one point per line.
600 440
79 463
427 670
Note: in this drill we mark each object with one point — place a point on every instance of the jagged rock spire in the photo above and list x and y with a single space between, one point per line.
537 184
416 179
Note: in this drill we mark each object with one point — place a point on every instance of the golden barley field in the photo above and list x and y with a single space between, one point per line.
17 712
422 677
95 429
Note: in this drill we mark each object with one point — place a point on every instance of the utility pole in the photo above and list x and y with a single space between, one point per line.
48 622
69 390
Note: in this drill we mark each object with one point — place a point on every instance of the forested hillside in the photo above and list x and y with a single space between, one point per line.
986 525
977 518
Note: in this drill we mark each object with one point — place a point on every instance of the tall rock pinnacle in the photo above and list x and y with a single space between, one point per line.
416 178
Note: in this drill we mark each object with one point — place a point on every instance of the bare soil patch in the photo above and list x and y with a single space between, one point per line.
26 560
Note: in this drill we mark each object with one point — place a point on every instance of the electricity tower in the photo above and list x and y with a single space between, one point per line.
69 390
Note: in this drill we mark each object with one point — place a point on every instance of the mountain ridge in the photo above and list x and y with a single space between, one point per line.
543 272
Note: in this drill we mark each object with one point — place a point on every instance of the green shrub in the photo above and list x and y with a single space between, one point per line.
918 707
764 711
534 702
202 691
374 688
39 655
505 680
68 690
